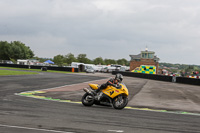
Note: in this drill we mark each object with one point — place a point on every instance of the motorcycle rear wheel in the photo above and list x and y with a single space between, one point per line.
88 99
120 102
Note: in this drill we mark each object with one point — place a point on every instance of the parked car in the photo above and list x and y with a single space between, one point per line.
90 70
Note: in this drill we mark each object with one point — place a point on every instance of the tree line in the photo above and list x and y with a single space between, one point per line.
181 66
18 50
183 69
14 50
64 60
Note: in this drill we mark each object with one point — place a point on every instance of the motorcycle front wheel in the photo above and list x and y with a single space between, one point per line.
87 99
120 102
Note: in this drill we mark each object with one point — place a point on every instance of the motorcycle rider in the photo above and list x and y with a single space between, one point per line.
113 82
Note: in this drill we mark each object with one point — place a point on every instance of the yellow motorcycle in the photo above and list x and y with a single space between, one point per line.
117 97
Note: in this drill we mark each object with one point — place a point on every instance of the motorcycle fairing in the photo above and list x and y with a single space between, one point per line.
112 91
94 86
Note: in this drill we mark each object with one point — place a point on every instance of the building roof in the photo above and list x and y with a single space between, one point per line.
148 52
135 56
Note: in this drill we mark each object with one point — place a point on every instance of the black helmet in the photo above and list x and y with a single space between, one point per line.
119 77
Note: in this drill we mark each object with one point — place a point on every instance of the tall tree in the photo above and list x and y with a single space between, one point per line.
83 59
4 50
98 61
58 60
122 62
109 61
69 58
14 50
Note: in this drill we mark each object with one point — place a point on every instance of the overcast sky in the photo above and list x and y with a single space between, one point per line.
111 29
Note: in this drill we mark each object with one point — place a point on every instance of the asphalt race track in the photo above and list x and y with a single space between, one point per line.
20 114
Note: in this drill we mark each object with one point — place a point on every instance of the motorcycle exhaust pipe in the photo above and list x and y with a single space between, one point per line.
87 90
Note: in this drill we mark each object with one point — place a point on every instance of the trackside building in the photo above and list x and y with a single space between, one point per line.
144 58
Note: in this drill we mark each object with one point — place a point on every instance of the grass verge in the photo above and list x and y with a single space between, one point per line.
10 72
37 70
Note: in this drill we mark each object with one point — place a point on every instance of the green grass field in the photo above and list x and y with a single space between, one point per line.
10 72
36 70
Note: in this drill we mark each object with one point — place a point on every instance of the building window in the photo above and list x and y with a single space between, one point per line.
150 56
147 55
144 55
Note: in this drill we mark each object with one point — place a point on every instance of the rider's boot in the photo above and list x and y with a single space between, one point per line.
96 93
100 94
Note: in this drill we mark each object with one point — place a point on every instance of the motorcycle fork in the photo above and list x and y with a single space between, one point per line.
119 98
